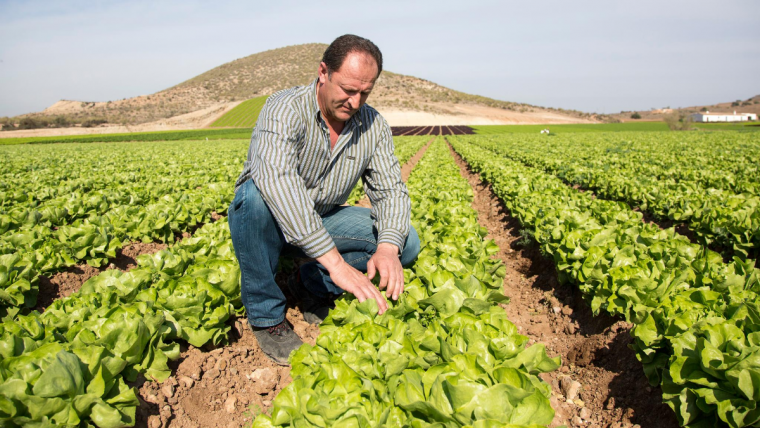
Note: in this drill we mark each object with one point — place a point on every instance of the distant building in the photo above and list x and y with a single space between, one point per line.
723 117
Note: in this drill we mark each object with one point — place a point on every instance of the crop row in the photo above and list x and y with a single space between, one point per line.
56 212
405 148
443 355
70 365
244 114
697 322
141 204
45 177
726 161
728 215
153 136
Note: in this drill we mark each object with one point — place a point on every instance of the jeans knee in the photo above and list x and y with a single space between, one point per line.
411 247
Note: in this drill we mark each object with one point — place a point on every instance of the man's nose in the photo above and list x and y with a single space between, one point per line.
355 100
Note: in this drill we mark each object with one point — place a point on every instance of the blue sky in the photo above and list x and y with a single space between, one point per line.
586 55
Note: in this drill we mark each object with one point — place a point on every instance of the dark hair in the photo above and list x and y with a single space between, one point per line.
339 49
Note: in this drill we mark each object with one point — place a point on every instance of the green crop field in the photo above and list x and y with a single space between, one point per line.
660 229
745 126
576 196
556 129
610 127
195 134
244 115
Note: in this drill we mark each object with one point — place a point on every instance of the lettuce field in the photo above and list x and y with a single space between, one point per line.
585 279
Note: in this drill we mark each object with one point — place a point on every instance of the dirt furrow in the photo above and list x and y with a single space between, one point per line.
63 284
600 383
406 170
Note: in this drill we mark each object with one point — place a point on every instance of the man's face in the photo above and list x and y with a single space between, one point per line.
343 93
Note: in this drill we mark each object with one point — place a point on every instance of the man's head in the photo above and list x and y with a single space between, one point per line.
348 71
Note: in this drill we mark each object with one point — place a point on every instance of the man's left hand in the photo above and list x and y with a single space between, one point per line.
386 262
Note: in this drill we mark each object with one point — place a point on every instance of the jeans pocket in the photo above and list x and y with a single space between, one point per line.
240 197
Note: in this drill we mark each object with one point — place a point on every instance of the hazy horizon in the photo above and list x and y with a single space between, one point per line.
600 57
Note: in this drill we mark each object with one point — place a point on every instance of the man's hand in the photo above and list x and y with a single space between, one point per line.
348 278
387 263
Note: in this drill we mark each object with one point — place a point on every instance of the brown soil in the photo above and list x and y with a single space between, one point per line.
613 389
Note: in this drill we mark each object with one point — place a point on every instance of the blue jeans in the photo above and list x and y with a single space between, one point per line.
259 243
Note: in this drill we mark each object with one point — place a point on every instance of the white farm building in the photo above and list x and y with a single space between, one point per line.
723 117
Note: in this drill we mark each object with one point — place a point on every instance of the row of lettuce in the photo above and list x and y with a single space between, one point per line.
696 319
711 182
405 148
69 365
86 206
443 355
64 205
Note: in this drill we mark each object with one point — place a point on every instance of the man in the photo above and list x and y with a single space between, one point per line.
310 146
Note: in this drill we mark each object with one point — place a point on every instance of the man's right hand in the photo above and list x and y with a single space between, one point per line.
350 279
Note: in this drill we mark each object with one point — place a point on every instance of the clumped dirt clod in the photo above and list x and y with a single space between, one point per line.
604 380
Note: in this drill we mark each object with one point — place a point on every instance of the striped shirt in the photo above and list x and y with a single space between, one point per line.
301 178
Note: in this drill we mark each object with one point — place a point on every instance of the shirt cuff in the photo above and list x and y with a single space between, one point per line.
317 244
391 236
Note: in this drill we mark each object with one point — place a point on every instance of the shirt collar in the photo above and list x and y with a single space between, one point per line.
318 113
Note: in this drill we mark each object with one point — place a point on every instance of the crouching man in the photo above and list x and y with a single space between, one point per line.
309 148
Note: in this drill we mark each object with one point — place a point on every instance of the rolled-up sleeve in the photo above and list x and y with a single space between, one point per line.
276 140
388 194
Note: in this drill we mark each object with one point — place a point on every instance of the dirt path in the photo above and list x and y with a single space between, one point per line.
612 390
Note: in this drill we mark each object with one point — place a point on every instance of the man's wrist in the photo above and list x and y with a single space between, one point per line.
331 259
388 247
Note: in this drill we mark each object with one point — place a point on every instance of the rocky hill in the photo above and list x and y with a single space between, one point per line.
215 91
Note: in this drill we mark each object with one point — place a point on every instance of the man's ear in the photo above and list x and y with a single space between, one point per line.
324 73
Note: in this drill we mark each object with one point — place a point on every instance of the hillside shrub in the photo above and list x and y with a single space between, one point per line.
32 123
678 121
636 116
90 123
